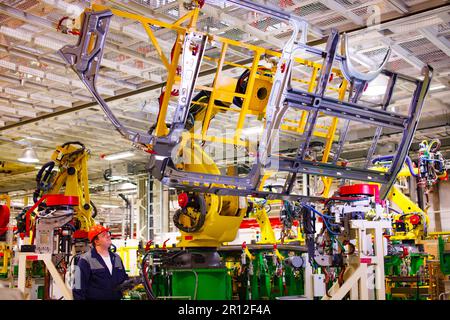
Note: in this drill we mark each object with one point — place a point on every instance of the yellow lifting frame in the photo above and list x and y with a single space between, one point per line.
248 90
192 16
210 106
161 128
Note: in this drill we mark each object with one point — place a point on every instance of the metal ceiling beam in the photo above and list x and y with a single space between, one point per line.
337 7
35 96
414 14
51 77
243 25
16 111
398 5
403 53
37 108
27 54
111 99
64 6
52 43
34 85
412 21
26 17
441 42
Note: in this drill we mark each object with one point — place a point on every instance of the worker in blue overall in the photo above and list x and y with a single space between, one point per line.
99 272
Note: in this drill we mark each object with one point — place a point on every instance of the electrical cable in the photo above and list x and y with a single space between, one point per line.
434 141
147 284
71 260
345 199
326 222
83 147
317 212
42 183
394 210
390 158
94 210
54 217
196 284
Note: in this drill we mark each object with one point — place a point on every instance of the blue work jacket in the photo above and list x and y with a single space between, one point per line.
93 281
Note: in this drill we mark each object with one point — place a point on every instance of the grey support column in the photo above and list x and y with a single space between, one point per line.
160 208
150 207
132 218
142 209
165 217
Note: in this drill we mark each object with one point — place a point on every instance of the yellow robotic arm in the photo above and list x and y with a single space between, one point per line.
70 160
202 217
410 223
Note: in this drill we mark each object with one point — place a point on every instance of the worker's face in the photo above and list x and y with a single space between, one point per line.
104 239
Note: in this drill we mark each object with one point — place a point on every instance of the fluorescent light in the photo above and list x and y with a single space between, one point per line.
57 78
41 97
111 206
34 138
7 65
16 33
15 92
48 43
16 204
127 185
116 178
252 130
29 156
119 155
159 158
62 102
31 72
437 87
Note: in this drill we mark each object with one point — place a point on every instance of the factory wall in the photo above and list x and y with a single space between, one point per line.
439 210
444 196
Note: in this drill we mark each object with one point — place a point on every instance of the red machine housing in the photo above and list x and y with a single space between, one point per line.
4 219
361 189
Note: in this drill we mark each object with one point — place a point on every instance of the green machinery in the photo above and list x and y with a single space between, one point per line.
444 257
407 276
253 272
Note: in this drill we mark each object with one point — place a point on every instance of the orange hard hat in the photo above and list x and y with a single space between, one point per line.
95 231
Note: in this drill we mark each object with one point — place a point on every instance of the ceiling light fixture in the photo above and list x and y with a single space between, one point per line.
252 130
438 87
118 155
109 206
29 156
